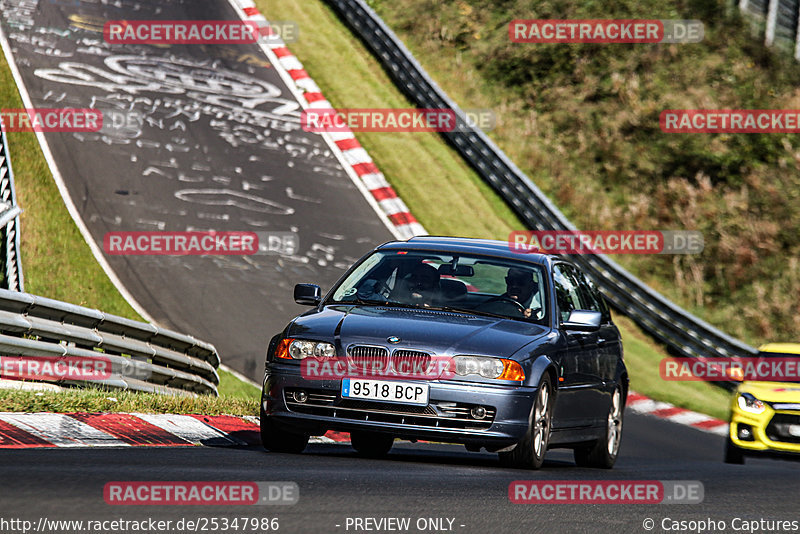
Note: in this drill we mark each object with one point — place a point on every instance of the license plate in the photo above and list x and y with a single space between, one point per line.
384 390
794 430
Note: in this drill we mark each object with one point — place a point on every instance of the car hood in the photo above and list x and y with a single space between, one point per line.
773 391
446 333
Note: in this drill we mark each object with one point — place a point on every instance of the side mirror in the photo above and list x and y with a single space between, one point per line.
735 374
307 294
583 321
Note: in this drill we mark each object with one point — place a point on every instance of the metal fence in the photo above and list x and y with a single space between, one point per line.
778 19
9 223
684 334
51 341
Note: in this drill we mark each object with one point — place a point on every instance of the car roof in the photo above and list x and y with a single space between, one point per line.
488 247
781 348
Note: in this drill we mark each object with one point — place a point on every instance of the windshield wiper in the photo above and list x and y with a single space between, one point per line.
487 314
363 301
476 312
452 309
408 305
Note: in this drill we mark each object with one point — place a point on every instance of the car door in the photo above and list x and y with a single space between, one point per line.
580 389
609 347
609 343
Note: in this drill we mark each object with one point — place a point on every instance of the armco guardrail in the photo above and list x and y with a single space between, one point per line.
685 334
132 355
9 223
778 19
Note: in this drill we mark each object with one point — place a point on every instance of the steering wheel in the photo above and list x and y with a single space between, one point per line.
382 289
379 287
502 298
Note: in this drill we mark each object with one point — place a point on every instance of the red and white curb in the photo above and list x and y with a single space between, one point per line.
367 176
32 430
643 405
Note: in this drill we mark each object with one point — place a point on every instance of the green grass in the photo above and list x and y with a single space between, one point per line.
642 358
232 387
446 195
95 400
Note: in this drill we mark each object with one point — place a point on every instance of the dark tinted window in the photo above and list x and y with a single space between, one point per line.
459 281
592 288
588 298
567 291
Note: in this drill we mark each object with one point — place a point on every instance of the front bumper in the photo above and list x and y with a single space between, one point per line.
446 418
769 431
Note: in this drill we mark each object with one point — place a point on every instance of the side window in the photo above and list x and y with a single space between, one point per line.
567 289
598 297
588 299
590 296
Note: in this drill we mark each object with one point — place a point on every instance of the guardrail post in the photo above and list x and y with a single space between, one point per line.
12 272
797 37
772 20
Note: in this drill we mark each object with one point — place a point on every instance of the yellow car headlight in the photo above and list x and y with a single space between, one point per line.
748 403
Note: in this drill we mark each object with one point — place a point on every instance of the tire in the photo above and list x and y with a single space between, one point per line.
276 439
733 454
530 451
603 453
371 444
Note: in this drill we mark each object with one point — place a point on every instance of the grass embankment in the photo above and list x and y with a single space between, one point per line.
94 400
446 195
57 263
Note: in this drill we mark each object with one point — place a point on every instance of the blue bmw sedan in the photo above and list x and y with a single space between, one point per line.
452 340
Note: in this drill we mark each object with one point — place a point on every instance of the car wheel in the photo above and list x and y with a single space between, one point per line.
529 453
371 444
733 454
276 439
603 454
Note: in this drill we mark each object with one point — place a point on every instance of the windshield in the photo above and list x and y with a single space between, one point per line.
475 284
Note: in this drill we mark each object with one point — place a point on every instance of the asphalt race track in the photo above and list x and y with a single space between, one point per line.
213 142
416 481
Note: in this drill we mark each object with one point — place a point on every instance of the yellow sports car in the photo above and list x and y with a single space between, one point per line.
765 416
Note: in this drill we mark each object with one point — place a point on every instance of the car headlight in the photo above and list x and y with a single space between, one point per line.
494 368
300 349
749 403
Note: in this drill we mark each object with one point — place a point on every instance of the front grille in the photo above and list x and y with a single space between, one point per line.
445 415
376 359
411 361
385 407
784 406
369 357
778 428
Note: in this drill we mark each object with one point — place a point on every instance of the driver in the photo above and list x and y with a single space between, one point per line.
521 287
